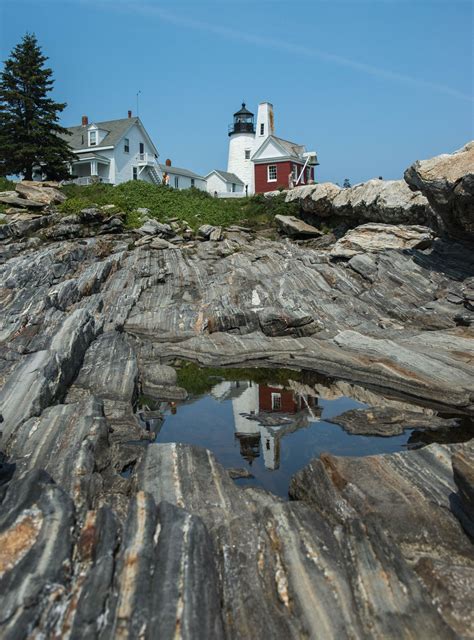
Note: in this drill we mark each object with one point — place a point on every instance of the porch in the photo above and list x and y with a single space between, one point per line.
91 169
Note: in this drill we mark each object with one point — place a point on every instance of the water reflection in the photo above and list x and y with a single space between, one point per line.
263 414
272 429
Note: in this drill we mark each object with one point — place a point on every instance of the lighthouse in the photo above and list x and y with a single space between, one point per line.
244 139
259 161
241 144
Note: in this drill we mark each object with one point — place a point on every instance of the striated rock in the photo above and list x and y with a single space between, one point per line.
15 201
296 228
301 574
379 237
208 232
448 183
388 201
386 421
44 376
279 322
39 192
36 521
405 493
68 441
315 199
165 578
153 227
463 472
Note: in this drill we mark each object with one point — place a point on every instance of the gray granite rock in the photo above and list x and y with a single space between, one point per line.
448 183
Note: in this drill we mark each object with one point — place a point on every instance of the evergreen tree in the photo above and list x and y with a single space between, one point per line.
29 128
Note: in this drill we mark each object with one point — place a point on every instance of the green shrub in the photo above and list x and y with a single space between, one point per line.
6 185
192 205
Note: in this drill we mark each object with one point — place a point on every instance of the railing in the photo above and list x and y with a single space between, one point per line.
241 127
83 180
146 158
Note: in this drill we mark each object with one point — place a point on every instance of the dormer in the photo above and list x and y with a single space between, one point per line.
95 135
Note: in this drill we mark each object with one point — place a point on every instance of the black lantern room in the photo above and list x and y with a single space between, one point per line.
243 121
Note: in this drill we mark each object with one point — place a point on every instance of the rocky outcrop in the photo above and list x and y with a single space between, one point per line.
104 535
379 237
447 181
296 228
387 201
404 493
44 192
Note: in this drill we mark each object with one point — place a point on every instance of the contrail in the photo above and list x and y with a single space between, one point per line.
273 43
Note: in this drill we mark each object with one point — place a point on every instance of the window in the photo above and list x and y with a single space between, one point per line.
135 173
296 172
272 173
176 182
247 154
192 182
308 174
276 401
92 138
262 129
126 145
233 187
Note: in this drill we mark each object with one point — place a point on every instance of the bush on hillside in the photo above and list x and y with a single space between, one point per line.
192 205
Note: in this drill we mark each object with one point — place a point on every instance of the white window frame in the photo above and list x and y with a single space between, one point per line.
262 128
247 154
176 182
233 187
276 401
94 133
272 166
134 173
126 145
193 182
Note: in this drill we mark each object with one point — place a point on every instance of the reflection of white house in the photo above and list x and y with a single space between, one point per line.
113 151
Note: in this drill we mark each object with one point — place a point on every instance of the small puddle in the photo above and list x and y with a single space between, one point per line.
266 424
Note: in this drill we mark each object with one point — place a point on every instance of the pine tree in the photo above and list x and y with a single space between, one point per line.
29 121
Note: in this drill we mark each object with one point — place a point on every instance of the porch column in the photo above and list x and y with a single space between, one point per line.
94 167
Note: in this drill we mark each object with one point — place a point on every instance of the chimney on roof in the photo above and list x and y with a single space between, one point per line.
85 121
168 162
129 113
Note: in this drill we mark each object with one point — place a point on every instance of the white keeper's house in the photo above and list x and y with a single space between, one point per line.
113 151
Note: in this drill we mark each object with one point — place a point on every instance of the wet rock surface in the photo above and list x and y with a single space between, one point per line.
92 320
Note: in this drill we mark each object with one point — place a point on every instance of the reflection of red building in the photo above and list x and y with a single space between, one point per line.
277 399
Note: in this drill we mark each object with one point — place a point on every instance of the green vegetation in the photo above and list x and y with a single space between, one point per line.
200 380
6 185
192 205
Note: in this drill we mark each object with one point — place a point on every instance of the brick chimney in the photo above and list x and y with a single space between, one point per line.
85 121
129 113
168 162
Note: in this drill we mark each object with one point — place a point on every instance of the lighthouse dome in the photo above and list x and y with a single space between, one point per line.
244 121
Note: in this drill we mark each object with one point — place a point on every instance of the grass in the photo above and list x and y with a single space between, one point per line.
200 380
191 205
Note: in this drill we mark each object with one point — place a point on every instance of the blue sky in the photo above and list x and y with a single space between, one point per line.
371 85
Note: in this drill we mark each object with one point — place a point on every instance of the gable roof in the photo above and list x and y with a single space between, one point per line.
181 172
288 149
116 129
226 176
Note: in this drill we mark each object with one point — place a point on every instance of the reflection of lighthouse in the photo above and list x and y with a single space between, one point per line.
263 414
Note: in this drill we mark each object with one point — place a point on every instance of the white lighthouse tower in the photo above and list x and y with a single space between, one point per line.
241 145
244 140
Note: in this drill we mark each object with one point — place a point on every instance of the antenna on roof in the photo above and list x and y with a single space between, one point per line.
138 93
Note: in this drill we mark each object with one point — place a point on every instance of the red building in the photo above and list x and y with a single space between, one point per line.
279 163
